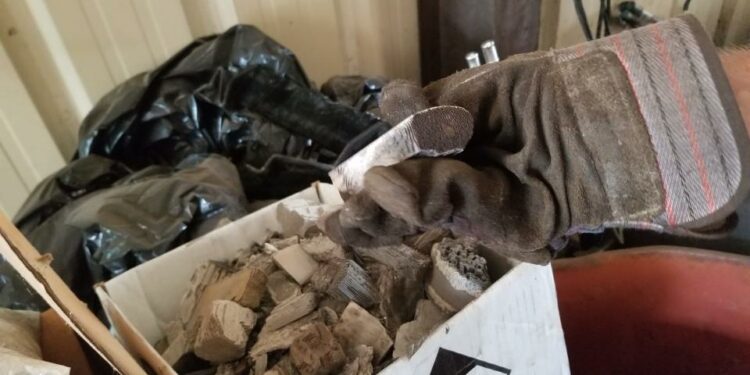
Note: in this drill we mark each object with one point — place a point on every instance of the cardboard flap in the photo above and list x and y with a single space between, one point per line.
517 318
35 269
134 341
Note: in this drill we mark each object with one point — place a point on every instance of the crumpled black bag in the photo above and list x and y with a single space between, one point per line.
171 111
239 94
142 216
73 181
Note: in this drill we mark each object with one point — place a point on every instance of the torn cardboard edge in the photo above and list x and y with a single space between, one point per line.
36 271
133 341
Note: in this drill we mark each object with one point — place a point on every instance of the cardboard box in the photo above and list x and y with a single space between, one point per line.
513 327
35 269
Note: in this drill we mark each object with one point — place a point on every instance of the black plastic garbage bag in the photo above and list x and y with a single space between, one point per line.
142 216
152 213
239 94
73 181
174 111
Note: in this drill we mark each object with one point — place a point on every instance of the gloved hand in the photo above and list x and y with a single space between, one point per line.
639 129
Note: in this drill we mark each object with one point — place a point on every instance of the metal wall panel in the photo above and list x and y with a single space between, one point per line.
27 152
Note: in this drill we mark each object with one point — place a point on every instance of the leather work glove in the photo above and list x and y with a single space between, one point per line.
639 129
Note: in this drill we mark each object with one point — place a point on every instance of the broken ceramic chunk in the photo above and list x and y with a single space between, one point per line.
322 249
261 262
330 317
400 281
161 345
245 287
296 262
269 341
283 243
260 363
336 304
357 327
269 249
345 280
291 310
284 367
317 352
239 367
173 329
316 319
281 288
411 335
223 333
178 347
297 216
459 274
397 295
398 257
206 274
361 364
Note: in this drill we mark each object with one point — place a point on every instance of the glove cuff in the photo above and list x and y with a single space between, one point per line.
695 128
